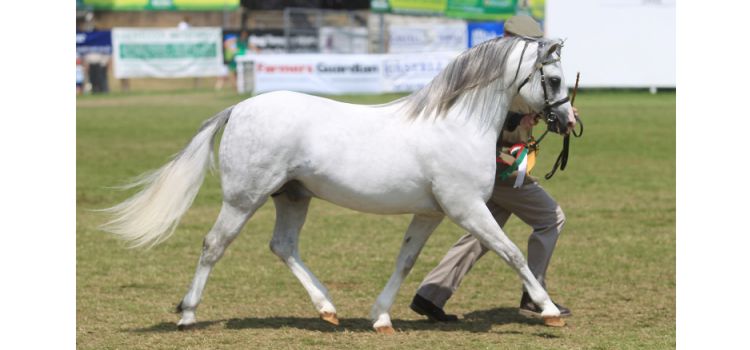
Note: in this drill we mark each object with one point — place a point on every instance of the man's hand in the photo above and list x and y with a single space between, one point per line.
528 121
572 118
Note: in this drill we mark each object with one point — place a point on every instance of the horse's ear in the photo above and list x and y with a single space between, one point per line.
555 46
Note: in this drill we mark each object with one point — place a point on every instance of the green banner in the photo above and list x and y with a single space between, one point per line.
436 7
163 5
167 51
481 9
410 6
485 10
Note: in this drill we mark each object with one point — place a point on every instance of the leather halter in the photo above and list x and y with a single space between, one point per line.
550 117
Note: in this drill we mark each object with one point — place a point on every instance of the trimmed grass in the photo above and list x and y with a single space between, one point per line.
614 265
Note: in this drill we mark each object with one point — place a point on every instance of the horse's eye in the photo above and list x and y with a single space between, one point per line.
554 82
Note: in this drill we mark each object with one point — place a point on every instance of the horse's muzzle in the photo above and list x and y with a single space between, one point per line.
560 123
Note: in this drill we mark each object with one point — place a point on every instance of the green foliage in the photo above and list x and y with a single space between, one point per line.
614 265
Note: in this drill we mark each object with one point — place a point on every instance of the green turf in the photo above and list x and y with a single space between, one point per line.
614 265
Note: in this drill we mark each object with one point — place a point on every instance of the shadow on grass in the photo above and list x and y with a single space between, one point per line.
166 327
477 321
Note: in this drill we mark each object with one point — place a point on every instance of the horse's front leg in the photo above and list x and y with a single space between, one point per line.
416 235
474 216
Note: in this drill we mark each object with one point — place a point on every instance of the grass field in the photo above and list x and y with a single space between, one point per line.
614 265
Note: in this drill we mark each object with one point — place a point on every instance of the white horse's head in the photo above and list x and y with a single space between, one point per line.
543 88
499 75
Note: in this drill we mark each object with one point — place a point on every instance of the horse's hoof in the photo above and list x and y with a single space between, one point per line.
185 327
385 330
330 317
554 321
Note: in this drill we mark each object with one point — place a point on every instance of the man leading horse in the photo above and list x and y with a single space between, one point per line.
523 197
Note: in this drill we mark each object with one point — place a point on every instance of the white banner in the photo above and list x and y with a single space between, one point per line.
343 74
321 73
408 72
427 37
167 52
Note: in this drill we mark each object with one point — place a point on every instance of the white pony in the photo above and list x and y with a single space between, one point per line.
431 154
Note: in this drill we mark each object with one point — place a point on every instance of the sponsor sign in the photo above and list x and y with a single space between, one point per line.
409 6
343 74
268 41
329 74
482 9
404 73
167 53
161 5
483 31
426 38
494 10
94 42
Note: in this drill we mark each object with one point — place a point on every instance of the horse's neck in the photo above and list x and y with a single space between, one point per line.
484 116
487 120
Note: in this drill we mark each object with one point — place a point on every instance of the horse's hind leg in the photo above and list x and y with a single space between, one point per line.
419 230
229 223
291 210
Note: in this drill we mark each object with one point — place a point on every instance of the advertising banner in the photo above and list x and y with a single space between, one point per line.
480 32
427 37
267 41
320 73
481 9
405 73
162 5
167 52
345 74
409 6
94 42
274 41
490 10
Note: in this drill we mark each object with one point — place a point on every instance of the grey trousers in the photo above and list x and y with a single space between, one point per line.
530 203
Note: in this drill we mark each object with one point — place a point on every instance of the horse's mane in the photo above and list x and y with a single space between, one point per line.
466 75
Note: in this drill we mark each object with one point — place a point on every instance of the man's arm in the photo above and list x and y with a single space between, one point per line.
513 120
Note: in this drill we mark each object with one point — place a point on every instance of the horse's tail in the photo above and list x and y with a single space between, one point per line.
150 216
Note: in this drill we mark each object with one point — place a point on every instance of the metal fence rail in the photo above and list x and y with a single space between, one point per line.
318 30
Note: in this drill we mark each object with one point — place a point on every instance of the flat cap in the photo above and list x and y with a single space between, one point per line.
523 25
